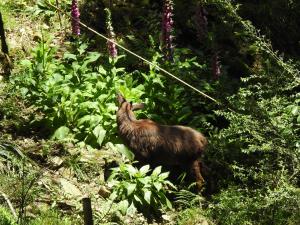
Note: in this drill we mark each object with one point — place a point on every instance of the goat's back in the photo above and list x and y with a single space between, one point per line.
164 144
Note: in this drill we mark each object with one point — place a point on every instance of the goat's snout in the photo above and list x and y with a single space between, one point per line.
120 99
133 106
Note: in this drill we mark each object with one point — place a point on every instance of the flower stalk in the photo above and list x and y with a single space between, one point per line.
75 18
112 49
167 30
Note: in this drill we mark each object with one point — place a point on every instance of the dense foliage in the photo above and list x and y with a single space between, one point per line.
137 189
67 85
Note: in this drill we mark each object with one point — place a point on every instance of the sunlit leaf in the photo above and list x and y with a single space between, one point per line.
132 171
69 55
157 185
136 198
123 206
61 133
147 196
169 204
164 175
156 171
144 169
125 151
130 188
99 133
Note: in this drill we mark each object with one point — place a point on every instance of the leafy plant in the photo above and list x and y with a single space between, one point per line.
51 217
41 8
243 206
192 216
187 199
137 188
75 94
6 218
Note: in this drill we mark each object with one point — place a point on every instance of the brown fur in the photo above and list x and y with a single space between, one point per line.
160 144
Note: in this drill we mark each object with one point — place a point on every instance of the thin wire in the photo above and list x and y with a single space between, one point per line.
140 57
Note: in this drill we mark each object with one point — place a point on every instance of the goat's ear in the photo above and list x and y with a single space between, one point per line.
138 106
120 98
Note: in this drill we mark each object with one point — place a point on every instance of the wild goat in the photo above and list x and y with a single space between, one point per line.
160 144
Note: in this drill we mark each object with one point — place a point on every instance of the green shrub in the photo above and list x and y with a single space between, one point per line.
75 94
137 188
51 217
255 158
191 207
192 216
245 206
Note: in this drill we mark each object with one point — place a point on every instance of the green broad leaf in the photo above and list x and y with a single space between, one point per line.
170 184
295 110
131 209
147 196
61 133
144 180
69 55
169 204
111 107
136 198
156 171
130 189
101 70
165 200
26 63
164 175
93 56
120 69
102 97
95 119
298 119
87 94
24 91
123 206
144 169
113 196
158 81
99 133
157 185
131 170
84 119
88 105
119 57
185 65
57 77
82 48
146 76
125 151
196 64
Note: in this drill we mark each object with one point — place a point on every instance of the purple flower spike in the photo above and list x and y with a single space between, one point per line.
167 29
75 18
112 49
201 22
216 68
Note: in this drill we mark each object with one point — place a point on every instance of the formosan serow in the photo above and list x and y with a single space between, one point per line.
157 144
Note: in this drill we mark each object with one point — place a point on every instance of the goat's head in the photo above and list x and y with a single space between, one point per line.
128 106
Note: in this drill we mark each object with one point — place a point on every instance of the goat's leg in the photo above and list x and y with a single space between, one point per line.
196 170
